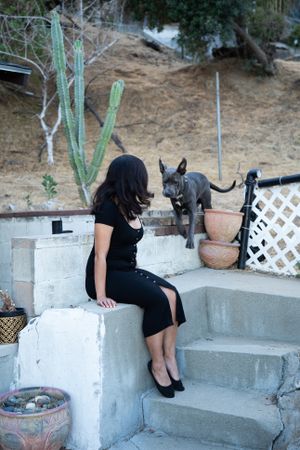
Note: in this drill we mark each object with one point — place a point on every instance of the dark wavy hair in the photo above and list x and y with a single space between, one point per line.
126 183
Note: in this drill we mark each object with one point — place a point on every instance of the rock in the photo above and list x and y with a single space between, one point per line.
9 408
52 204
30 405
289 405
11 207
42 399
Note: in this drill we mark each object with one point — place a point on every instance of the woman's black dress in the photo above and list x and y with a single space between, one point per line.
125 283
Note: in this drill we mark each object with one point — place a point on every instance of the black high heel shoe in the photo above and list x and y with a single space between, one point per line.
177 384
166 391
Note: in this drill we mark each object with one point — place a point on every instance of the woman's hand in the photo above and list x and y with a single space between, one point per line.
106 302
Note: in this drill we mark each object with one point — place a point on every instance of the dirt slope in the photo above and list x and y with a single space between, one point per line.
168 111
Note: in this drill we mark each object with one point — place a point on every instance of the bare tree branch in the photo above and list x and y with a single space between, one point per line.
27 39
241 175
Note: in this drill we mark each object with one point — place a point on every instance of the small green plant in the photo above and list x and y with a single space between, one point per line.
28 200
49 185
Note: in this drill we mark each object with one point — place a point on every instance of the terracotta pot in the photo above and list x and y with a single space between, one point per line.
217 254
222 225
46 430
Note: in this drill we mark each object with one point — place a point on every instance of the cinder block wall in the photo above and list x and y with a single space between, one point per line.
48 271
34 224
39 223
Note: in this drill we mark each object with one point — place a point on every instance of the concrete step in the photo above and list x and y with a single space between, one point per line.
223 416
239 303
156 440
238 363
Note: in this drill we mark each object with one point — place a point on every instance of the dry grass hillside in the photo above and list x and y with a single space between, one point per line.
168 111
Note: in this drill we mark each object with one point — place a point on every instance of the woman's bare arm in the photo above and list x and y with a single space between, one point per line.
102 242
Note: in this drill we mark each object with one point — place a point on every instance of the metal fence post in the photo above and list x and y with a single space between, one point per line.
250 182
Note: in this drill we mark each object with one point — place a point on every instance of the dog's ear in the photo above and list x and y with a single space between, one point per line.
182 167
162 166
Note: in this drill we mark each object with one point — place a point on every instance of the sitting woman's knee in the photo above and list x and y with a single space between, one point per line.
171 295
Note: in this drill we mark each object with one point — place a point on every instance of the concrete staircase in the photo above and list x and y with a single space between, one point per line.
239 370
238 354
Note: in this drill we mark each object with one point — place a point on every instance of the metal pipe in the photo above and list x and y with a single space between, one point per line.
219 126
279 181
250 182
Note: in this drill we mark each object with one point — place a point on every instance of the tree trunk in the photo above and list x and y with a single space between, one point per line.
258 52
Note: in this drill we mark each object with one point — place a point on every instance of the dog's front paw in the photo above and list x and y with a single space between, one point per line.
190 243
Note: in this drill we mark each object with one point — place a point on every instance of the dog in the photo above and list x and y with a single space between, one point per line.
186 191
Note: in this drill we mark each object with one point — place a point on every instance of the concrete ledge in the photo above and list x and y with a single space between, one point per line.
38 223
8 352
98 356
49 271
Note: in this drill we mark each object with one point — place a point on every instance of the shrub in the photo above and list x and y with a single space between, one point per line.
266 26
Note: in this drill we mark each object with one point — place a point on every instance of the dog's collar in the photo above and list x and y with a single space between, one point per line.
179 197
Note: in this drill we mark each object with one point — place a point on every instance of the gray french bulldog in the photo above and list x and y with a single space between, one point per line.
186 191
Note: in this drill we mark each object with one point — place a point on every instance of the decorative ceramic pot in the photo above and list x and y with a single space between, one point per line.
217 254
222 225
11 323
44 430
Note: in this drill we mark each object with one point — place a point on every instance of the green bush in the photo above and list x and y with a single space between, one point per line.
266 26
294 37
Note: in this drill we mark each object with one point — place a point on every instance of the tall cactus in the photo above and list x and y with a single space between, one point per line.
85 174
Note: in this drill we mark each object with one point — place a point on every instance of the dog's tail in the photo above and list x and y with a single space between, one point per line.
216 188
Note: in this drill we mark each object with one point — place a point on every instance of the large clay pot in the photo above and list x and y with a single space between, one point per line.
222 225
46 430
217 254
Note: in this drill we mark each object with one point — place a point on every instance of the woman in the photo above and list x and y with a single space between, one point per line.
112 275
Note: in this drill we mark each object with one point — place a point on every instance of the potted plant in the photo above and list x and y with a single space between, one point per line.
34 418
12 319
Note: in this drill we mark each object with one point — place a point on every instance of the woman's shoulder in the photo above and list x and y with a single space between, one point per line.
105 204
107 212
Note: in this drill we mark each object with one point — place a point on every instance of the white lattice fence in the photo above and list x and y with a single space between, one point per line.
274 237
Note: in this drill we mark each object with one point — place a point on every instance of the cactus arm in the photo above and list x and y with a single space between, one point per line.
109 123
79 98
59 60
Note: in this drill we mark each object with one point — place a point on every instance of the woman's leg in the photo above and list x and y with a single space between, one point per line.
169 338
155 347
162 307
